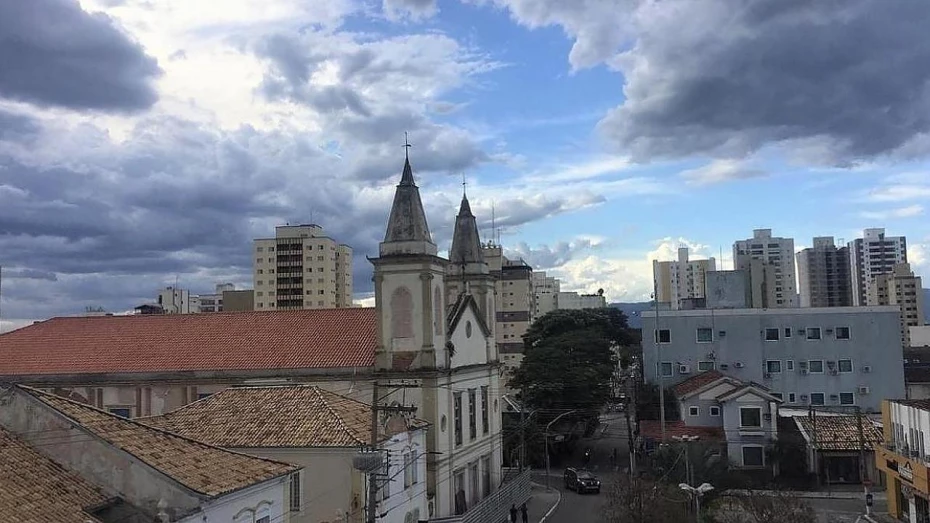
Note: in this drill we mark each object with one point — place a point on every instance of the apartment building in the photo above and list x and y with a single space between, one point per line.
546 289
214 302
301 268
904 458
516 302
823 275
900 287
772 277
573 300
834 356
683 279
174 300
871 255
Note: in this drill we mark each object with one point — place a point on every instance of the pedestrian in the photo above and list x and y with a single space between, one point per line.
513 513
523 512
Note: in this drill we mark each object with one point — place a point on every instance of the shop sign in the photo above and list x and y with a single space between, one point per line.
906 472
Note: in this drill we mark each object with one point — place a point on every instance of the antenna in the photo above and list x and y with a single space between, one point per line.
493 224
721 257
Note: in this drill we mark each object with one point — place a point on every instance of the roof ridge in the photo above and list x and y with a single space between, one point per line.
145 426
340 422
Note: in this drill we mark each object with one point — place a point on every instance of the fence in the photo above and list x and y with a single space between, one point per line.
496 507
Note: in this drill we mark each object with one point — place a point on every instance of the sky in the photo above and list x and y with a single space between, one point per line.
147 142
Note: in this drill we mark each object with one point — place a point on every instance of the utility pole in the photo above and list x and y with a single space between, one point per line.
655 333
813 415
863 469
372 484
629 436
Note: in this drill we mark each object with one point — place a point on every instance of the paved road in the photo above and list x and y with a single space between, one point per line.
587 508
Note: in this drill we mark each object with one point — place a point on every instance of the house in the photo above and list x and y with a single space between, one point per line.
839 445
830 356
904 458
428 344
131 472
320 431
718 407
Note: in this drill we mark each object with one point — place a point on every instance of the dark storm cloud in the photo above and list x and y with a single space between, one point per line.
55 54
728 77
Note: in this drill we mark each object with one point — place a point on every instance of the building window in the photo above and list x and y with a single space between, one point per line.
410 469
663 336
750 417
787 332
486 473
773 366
817 398
753 456
847 398
474 487
123 412
706 365
789 365
705 335
666 368
815 366
295 492
844 365
842 333
472 414
457 414
778 395
715 411
694 411
813 333
792 398
771 334
485 419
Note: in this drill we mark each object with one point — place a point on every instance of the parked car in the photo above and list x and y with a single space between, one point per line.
581 481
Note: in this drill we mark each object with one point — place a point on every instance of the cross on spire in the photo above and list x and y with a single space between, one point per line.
464 184
407 146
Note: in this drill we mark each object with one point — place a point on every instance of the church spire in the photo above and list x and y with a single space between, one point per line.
407 230
466 245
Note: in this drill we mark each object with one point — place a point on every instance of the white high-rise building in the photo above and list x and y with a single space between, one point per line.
871 255
776 252
681 280
547 292
174 300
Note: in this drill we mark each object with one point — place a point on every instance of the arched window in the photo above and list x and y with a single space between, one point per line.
401 313
437 312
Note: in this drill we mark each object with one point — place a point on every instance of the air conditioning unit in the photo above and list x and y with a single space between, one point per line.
722 334
684 369
739 365
711 356
831 364
724 366
766 376
803 397
833 372
864 390
803 372
802 364
866 369
834 397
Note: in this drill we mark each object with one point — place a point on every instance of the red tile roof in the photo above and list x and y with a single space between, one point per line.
839 432
653 430
234 341
696 382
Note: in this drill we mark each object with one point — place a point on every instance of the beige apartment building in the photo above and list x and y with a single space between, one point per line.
679 280
546 289
903 288
516 303
777 279
301 268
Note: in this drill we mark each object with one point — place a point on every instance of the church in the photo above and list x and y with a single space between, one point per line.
428 343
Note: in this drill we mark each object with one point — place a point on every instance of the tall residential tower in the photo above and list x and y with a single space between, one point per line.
776 277
871 255
823 275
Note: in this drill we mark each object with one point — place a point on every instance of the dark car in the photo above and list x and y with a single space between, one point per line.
581 481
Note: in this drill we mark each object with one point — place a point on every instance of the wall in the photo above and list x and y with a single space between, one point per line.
100 463
920 336
413 498
471 347
248 505
727 290
704 401
330 484
738 437
874 343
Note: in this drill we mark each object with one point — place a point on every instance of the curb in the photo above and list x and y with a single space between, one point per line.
554 506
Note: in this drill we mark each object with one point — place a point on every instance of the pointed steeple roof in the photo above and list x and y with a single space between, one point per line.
466 245
407 230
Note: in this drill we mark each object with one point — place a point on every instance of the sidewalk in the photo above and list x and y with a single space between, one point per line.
816 494
541 503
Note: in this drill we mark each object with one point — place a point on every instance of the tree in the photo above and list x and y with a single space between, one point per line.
647 403
643 501
755 507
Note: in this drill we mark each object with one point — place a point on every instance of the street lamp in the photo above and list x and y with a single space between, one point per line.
696 493
548 426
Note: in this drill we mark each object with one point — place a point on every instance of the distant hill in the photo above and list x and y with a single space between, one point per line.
632 311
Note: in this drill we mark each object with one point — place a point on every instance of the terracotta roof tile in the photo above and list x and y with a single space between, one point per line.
203 468
653 430
273 416
840 432
234 341
696 382
35 489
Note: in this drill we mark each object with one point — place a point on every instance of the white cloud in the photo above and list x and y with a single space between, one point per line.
898 193
723 170
902 212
